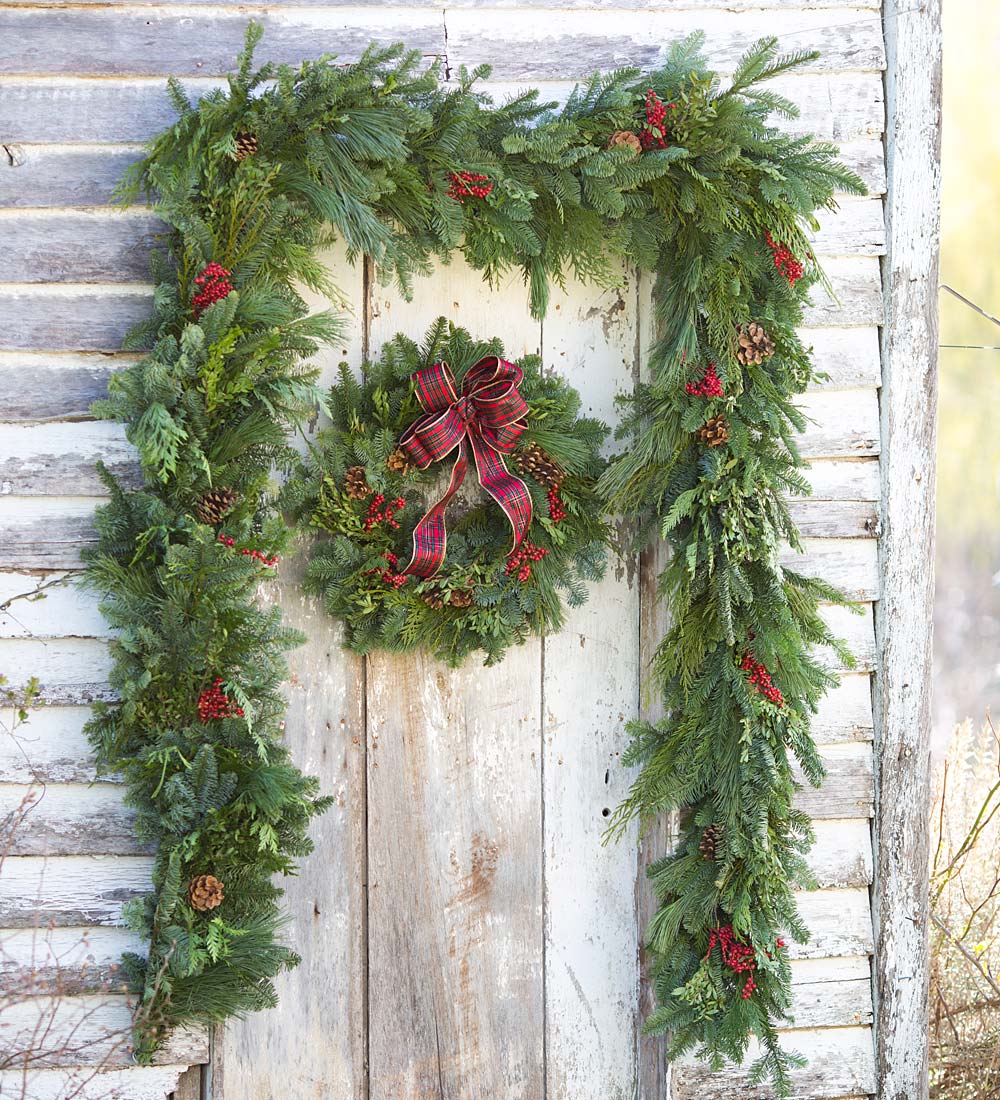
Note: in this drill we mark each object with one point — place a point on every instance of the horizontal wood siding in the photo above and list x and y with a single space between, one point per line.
464 932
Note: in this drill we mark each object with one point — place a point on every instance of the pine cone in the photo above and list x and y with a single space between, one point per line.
461 597
215 505
537 462
625 137
434 599
204 892
710 840
399 462
714 432
754 344
356 484
246 145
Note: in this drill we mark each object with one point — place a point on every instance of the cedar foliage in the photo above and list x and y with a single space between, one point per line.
366 152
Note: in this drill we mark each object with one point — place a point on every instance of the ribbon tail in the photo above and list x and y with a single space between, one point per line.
509 491
430 536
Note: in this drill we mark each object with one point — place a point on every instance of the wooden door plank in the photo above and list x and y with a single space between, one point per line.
455 821
313 1045
591 689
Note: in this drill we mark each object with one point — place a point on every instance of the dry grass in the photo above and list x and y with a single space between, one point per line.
965 932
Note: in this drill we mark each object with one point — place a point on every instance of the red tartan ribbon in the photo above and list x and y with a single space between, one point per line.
487 417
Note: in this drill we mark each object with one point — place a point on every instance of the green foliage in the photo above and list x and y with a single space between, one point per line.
369 153
348 560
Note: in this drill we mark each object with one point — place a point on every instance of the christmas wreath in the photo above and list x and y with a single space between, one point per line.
403 563
670 172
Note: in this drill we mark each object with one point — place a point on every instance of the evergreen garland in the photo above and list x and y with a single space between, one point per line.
673 173
481 599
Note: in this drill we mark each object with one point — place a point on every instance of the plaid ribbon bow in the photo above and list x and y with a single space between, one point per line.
487 417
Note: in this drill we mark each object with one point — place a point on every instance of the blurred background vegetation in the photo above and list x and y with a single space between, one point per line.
967 615
965 867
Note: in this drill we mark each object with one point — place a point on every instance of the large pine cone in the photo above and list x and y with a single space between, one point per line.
215 505
537 462
710 840
246 145
205 892
714 432
433 599
461 597
625 138
399 462
754 344
356 484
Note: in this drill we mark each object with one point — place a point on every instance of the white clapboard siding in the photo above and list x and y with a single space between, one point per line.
88 1030
61 960
70 890
841 1063
108 246
86 1083
464 932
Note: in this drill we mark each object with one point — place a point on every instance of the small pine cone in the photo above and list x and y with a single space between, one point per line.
356 484
625 137
714 432
433 599
215 505
754 344
247 145
539 464
461 597
399 462
710 839
204 892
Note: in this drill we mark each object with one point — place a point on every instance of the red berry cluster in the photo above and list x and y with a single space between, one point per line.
557 513
521 561
214 283
709 386
654 133
378 514
257 555
469 184
761 680
785 261
738 956
215 703
392 576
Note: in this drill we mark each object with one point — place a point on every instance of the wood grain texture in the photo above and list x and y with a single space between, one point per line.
45 533
93 246
74 318
590 690
51 176
64 318
97 246
602 5
49 748
68 819
70 891
322 1002
846 107
456 972
64 960
155 41
904 623
71 671
89 1030
36 387
580 42
84 1083
840 1064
